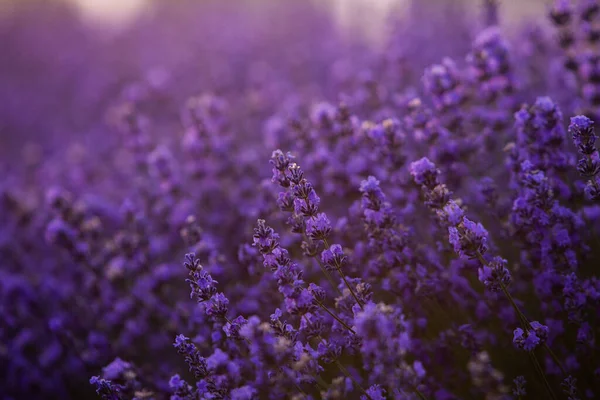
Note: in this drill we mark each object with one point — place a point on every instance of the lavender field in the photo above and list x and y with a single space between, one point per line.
262 199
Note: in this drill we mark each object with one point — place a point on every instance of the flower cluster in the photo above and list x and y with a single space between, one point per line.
584 137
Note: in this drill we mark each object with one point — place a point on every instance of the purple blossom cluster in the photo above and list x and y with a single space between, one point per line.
282 211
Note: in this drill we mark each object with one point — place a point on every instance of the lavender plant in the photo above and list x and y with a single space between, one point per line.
428 229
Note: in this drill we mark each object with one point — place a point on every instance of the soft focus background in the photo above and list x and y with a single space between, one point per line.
63 60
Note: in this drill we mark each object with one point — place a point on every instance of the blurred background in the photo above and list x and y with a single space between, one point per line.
63 62
368 15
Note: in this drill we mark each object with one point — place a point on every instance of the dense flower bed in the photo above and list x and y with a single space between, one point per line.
279 211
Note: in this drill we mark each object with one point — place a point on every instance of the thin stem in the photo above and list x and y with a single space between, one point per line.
526 325
339 270
555 359
231 323
334 316
590 161
328 276
317 258
323 269
522 317
300 389
318 380
347 373
540 371
324 385
421 396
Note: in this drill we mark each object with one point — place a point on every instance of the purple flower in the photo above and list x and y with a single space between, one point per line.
583 134
541 137
295 174
561 12
181 389
469 240
58 231
317 291
202 285
232 329
541 331
197 364
569 387
115 369
373 201
375 392
285 201
323 114
519 389
243 393
529 340
282 328
454 213
281 162
370 186
217 307
276 315
329 352
265 237
444 83
301 304
191 262
333 257
592 189
58 199
307 207
494 275
424 172
106 389
319 227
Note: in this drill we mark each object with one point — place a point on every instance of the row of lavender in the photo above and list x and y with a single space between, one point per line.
427 239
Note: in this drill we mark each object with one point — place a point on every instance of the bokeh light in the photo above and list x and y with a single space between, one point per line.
114 13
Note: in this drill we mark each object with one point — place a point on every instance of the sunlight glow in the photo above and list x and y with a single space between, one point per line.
365 16
110 12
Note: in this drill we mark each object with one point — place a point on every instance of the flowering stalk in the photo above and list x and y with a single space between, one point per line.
584 137
302 199
288 274
470 241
